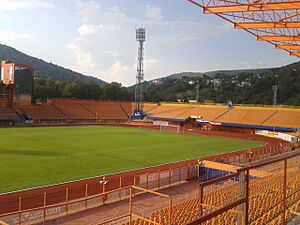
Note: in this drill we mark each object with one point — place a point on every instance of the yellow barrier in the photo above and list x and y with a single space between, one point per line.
3 223
231 168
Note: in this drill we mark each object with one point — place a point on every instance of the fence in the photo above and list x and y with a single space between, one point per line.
154 181
273 199
77 121
236 198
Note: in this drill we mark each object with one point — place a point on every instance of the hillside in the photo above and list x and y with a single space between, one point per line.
43 69
216 72
238 86
252 86
243 88
237 72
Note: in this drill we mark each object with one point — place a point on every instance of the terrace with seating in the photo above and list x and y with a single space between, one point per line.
77 110
246 115
286 119
8 115
73 109
265 206
106 110
43 111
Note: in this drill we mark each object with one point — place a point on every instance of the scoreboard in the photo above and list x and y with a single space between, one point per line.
21 78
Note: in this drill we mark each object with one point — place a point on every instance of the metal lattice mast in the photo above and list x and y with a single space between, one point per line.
275 89
198 92
140 38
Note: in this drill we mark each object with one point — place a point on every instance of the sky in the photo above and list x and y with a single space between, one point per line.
97 37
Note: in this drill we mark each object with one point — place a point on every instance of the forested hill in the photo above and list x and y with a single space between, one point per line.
43 69
243 87
216 72
239 86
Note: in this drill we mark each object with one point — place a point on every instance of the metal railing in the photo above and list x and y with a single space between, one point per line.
153 181
278 193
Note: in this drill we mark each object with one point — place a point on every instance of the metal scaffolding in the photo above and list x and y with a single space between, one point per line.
140 38
274 21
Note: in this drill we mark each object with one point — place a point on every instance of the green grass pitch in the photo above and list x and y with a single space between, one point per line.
41 156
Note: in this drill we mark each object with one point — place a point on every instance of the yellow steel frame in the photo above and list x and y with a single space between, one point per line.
248 7
133 215
274 21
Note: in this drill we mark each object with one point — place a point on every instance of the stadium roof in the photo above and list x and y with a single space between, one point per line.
273 21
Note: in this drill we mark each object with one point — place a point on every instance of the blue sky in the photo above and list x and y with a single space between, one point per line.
97 37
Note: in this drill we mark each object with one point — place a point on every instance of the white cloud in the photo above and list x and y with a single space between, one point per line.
113 53
184 32
89 29
106 46
125 73
88 10
153 12
118 72
9 36
151 66
84 61
6 5
4 16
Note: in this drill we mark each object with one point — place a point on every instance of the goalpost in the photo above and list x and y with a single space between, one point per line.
170 128
165 126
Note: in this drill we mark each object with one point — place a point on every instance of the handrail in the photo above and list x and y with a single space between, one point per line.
65 203
110 220
225 104
274 159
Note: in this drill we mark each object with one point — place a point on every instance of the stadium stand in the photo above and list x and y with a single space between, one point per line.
265 206
73 109
8 115
94 110
207 113
3 102
105 110
77 110
183 111
43 111
247 115
169 110
147 107
285 118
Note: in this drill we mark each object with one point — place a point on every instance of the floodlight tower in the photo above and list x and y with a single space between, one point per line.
275 89
197 92
140 38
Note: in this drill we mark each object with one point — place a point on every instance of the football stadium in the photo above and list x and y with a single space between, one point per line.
81 161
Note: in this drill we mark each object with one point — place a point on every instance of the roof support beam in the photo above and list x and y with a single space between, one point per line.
279 33
257 25
288 47
295 54
290 16
287 5
278 38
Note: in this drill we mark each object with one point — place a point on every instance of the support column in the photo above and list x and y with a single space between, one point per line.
130 205
200 200
243 207
284 189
